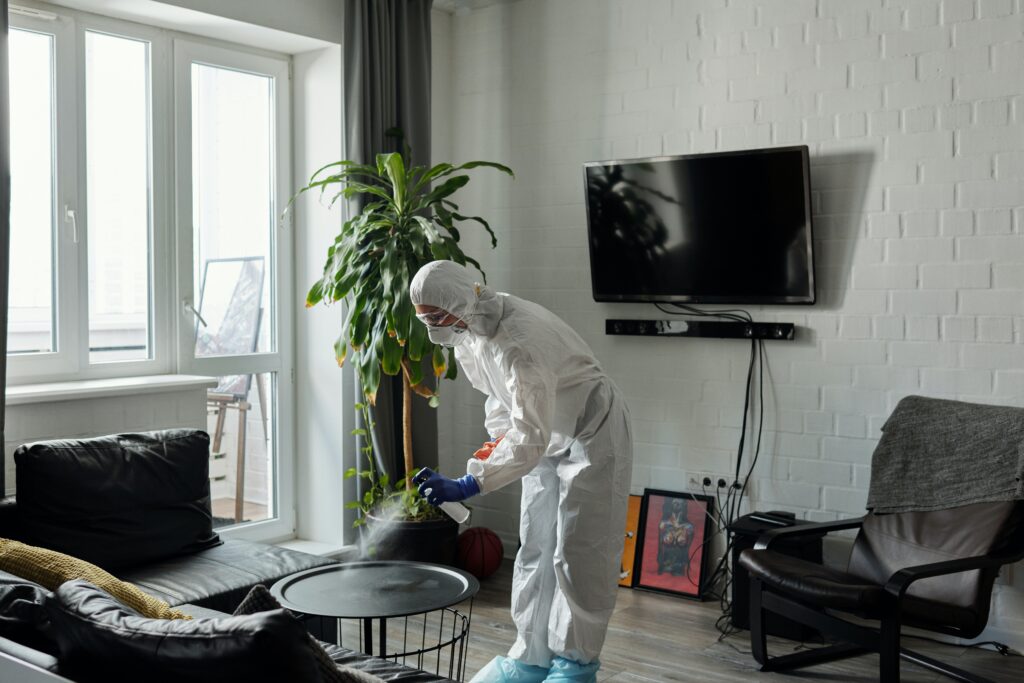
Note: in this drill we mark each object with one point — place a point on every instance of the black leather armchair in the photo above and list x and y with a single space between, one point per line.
931 570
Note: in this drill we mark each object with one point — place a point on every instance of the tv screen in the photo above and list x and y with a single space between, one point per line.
729 227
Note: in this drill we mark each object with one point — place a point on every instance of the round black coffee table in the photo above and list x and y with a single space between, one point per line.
383 590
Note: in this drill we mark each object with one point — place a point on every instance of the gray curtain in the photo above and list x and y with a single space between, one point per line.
5 226
386 56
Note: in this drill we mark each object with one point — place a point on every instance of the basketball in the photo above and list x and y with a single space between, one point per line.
480 552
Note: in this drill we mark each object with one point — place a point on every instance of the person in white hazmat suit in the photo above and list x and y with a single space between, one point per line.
562 428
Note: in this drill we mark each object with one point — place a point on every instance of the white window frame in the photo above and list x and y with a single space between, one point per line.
62 361
279 360
71 360
172 327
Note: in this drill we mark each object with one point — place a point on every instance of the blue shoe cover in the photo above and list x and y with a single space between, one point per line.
567 671
505 670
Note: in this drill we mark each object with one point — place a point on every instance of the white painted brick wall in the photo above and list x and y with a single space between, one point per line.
914 113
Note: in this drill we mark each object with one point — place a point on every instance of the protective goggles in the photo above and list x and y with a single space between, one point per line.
436 318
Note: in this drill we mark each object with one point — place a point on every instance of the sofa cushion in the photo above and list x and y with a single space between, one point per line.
50 569
259 599
102 640
22 611
219 578
119 500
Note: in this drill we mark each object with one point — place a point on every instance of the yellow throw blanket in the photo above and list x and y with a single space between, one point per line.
50 569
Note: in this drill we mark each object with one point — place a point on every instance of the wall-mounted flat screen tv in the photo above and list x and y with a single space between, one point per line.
729 227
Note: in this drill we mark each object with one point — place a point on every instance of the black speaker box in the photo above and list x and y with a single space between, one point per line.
745 532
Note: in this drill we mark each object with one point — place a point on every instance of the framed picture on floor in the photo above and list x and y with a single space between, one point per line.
629 549
671 553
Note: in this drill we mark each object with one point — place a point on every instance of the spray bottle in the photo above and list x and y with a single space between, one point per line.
457 511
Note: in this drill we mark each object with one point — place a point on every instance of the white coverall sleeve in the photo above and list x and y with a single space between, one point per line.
530 421
497 420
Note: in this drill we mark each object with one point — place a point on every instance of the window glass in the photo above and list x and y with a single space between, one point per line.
233 208
118 191
32 307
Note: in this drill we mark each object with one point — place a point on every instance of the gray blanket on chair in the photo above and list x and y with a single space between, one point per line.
936 454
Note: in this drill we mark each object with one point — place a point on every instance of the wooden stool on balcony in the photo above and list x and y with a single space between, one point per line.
220 401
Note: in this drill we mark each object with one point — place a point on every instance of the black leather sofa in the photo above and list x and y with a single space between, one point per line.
138 505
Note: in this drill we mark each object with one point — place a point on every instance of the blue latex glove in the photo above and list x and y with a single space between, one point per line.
443 489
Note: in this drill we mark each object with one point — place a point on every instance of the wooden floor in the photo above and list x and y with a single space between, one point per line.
225 508
655 637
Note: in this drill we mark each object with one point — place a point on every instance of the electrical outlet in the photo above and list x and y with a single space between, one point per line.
719 481
707 482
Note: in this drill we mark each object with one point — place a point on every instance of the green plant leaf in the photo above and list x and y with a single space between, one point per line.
395 169
428 229
437 360
315 295
418 342
391 362
488 164
453 369
445 189
353 188
371 381
403 314
440 251
430 174
360 327
481 221
347 166
340 350
415 372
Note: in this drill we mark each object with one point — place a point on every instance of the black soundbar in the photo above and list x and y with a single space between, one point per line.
701 328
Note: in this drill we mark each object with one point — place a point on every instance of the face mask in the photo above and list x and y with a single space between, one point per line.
447 336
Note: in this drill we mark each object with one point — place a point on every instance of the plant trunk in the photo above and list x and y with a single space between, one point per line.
407 428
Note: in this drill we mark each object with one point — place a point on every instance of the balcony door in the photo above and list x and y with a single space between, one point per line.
234 277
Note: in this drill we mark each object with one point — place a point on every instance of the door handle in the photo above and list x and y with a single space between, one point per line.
187 308
69 217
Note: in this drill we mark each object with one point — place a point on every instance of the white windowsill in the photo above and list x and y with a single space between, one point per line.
99 388
342 553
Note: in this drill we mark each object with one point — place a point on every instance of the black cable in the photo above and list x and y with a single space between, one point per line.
721 579
758 355
1002 648
760 427
729 313
746 410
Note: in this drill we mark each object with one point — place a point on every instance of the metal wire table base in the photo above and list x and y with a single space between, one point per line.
433 641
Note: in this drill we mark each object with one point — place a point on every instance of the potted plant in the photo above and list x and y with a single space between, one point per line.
407 219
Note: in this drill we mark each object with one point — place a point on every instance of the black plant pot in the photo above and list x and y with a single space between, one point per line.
434 540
